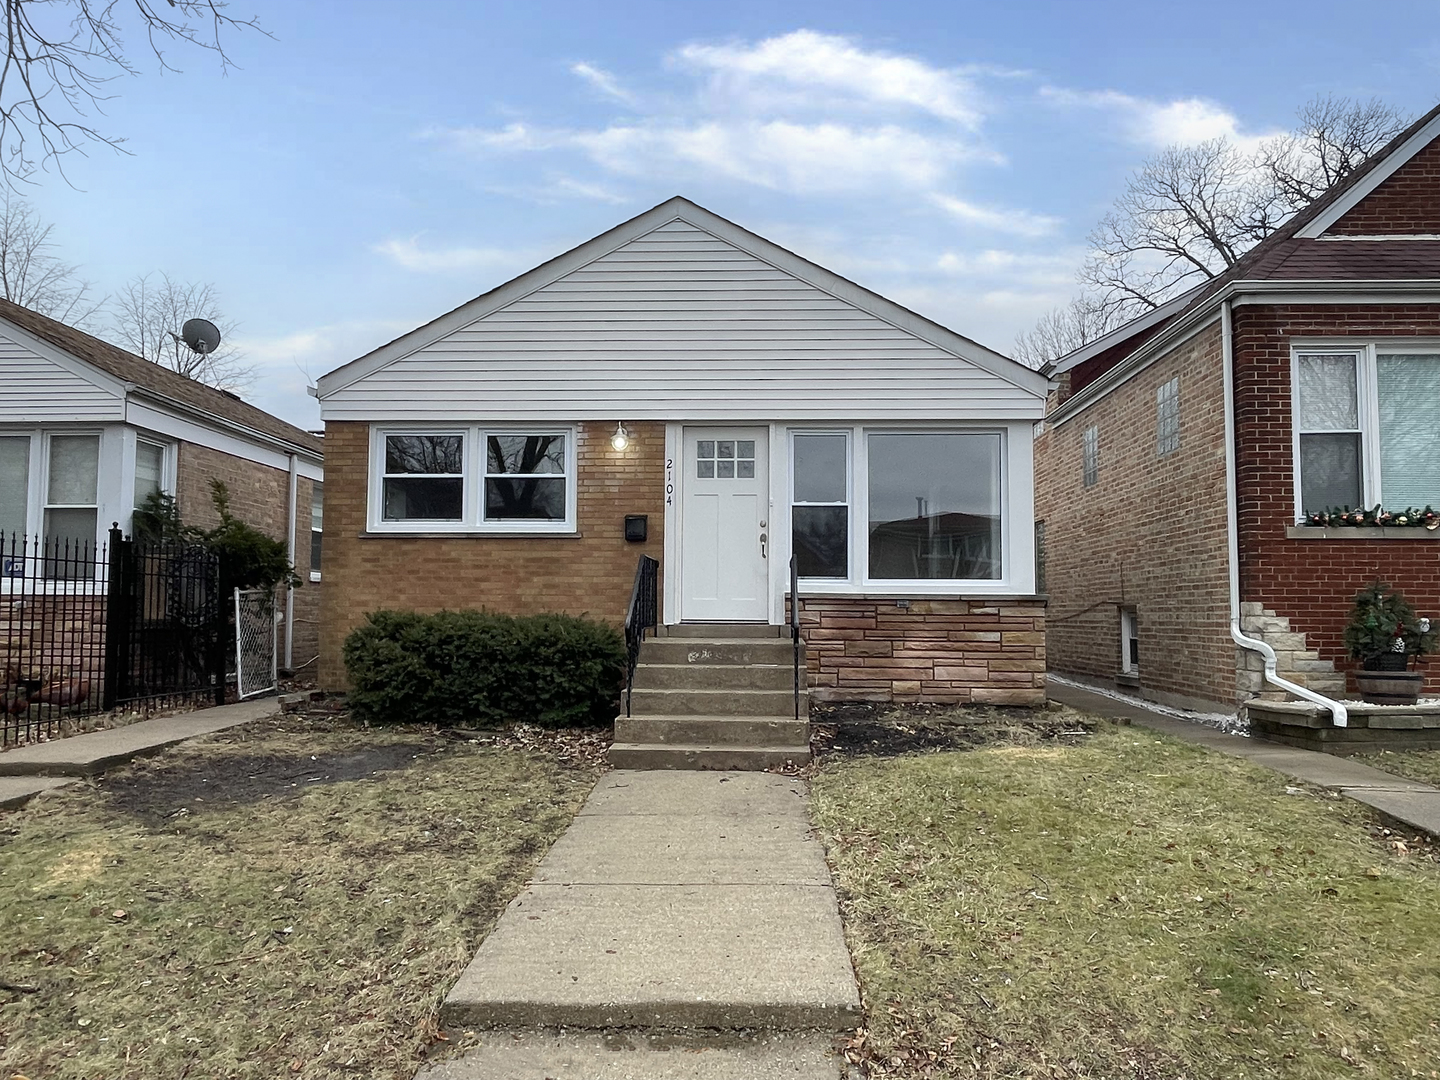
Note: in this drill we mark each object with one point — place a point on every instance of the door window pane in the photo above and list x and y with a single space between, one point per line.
14 484
149 471
934 507
1329 471
725 459
74 470
1408 387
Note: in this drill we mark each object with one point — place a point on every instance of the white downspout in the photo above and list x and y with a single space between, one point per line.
1340 717
290 557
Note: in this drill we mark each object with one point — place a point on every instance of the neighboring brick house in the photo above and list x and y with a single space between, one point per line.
88 430
768 406
1330 331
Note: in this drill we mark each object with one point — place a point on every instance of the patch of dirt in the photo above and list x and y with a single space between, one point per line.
862 729
159 791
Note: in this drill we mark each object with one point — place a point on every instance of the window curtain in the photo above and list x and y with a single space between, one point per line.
1408 387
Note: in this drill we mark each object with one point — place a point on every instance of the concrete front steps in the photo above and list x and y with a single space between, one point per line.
1293 660
714 696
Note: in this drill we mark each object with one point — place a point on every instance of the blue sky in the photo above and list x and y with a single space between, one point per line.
376 164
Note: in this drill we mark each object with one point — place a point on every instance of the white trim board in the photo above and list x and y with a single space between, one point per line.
680 209
1371 180
152 418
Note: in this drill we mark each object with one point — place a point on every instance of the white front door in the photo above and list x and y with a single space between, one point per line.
724 528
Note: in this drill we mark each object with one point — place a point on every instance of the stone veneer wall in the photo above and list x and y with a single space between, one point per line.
943 651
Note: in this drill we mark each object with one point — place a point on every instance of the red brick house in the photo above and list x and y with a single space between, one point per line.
746 404
88 430
1182 452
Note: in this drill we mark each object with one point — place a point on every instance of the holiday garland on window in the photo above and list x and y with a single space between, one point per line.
1338 517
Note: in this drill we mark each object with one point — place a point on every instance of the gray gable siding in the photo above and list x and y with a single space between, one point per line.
674 324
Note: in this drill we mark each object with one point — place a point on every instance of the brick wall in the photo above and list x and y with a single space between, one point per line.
1404 202
944 651
1312 582
258 496
1150 534
591 574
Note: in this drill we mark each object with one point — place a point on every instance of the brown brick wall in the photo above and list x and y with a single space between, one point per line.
1150 534
258 496
1404 202
944 651
590 575
1312 582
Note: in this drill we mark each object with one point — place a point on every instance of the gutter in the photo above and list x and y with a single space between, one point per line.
1338 713
291 516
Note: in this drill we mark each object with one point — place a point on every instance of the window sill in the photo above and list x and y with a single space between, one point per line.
314 575
1384 532
820 588
467 534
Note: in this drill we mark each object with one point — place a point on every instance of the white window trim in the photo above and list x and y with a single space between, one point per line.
849 435
1367 405
1129 628
858 465
472 481
167 465
46 437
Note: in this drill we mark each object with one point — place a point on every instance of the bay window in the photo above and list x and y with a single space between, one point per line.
1366 427
889 507
474 479
14 485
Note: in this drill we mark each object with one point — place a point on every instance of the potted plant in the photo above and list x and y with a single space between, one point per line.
1384 633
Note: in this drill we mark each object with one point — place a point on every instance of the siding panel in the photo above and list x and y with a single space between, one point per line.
680 324
38 390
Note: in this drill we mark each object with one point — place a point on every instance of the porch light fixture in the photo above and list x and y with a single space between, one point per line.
621 439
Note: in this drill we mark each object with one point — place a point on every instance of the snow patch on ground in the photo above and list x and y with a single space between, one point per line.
1229 723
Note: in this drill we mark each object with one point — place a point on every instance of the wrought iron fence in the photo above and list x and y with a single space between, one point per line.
52 633
169 630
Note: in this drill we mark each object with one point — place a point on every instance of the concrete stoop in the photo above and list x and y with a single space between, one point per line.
715 696
1293 660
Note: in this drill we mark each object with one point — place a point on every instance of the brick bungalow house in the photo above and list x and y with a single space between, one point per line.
88 430
746 404
1182 452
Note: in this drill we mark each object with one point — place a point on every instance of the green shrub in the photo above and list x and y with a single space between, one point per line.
468 667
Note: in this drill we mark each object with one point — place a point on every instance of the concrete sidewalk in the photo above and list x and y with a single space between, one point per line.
28 770
1415 804
676 901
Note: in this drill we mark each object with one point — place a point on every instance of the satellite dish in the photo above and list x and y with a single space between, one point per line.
201 335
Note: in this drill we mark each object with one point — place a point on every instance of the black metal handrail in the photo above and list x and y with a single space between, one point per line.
643 615
795 626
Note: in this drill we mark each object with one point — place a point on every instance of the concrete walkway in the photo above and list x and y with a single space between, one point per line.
1415 804
28 770
676 901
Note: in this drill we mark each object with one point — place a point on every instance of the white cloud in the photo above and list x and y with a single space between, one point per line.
827 64
409 254
1018 222
1183 122
602 81
1049 269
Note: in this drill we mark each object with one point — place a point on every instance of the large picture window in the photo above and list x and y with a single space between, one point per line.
1367 427
478 479
934 506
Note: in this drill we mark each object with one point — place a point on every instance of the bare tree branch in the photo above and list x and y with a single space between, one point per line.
61 54
31 275
1334 136
148 318
1063 330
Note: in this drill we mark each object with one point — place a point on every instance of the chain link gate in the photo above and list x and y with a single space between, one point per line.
256 641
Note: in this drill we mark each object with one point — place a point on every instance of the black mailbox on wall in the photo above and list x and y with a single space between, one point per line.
636 528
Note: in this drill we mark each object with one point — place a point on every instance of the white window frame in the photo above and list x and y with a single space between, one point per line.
1366 353
167 466
46 437
1129 631
472 474
858 492
849 435
315 575
1167 417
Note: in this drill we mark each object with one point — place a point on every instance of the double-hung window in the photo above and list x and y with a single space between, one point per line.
72 491
14 485
1366 426
881 507
317 525
474 479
